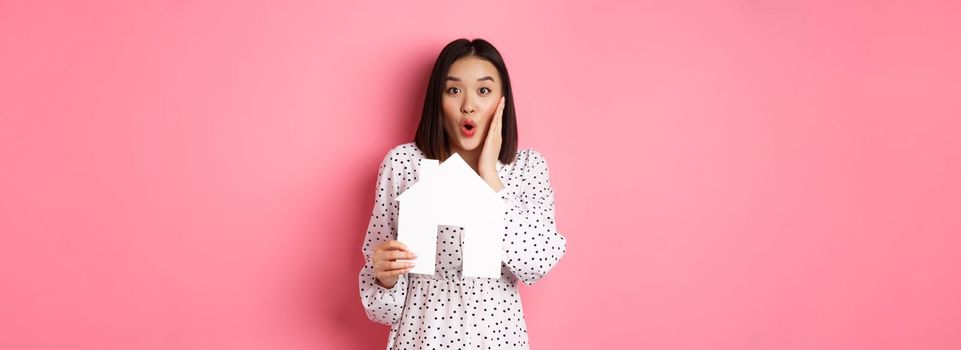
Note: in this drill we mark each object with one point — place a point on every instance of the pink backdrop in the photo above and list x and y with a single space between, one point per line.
729 174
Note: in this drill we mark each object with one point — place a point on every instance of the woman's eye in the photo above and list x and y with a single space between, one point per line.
453 90
485 91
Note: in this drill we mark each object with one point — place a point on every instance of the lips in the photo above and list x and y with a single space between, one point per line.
468 127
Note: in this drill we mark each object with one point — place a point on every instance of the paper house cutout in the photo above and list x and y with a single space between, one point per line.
452 194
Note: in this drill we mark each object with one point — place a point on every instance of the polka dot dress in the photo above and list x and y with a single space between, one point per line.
445 310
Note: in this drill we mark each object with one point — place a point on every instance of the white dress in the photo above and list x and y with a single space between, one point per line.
446 310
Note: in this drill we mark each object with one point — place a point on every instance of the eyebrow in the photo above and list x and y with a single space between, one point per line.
458 79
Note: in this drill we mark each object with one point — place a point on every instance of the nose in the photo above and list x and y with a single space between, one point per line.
467 107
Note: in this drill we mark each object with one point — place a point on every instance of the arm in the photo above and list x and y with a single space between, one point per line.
383 305
531 241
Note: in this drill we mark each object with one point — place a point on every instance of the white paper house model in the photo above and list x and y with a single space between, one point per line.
452 194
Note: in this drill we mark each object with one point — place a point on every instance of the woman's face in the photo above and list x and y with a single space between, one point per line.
470 97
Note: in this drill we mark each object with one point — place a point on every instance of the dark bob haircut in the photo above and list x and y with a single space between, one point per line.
430 137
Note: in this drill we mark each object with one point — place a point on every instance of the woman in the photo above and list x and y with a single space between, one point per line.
468 110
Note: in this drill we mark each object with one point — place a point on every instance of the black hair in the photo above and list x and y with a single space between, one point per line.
430 136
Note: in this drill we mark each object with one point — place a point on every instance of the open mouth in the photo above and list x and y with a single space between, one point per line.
467 127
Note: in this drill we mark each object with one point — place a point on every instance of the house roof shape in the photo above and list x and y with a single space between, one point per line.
452 182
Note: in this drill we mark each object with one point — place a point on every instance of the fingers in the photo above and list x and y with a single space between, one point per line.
499 120
500 111
390 245
495 128
385 256
388 266
393 254
386 271
500 105
399 254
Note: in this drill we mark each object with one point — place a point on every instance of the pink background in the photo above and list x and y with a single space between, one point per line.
729 174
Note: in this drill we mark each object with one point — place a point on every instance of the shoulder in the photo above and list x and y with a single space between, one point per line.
401 156
531 157
402 153
408 150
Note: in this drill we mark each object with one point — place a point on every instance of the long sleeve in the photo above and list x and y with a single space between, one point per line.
531 242
381 304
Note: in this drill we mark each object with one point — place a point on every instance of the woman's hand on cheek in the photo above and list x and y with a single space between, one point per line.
487 168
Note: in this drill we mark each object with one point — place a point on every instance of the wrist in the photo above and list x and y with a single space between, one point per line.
495 183
387 285
487 172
